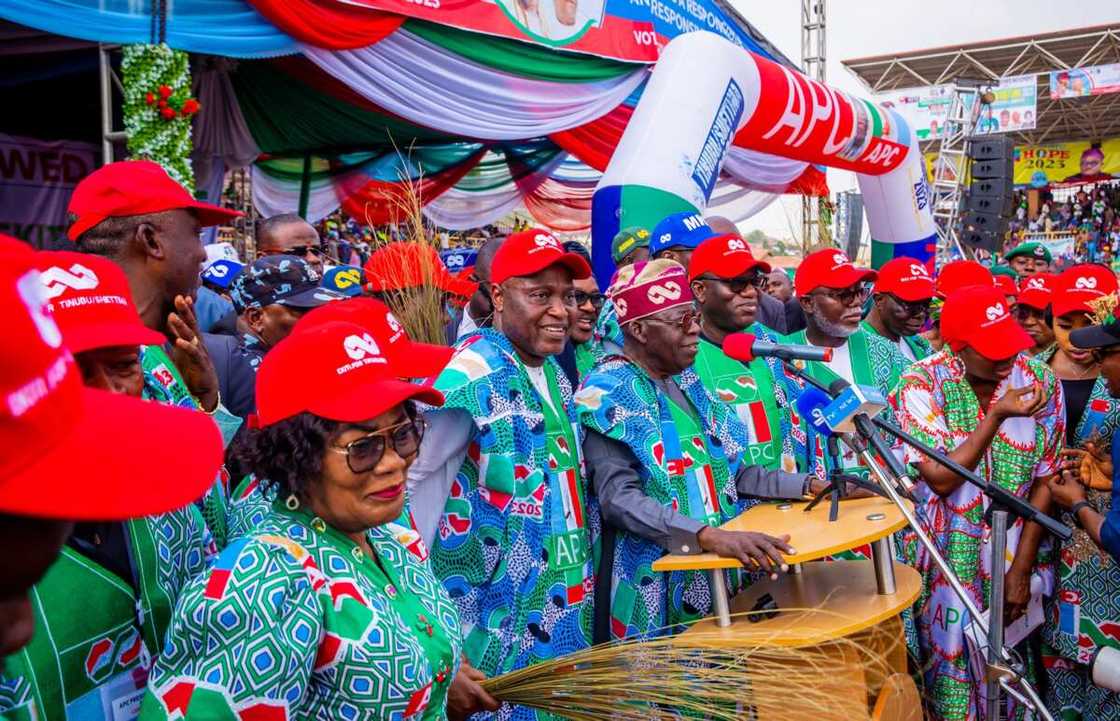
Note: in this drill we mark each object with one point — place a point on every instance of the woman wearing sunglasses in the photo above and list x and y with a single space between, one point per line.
322 611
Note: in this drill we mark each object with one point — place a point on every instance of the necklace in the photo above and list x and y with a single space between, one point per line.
1079 374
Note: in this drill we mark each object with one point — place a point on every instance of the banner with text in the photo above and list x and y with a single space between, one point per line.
1083 82
633 30
36 180
926 109
1075 162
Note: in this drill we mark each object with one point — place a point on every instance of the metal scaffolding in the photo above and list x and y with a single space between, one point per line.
109 80
950 169
1094 117
813 65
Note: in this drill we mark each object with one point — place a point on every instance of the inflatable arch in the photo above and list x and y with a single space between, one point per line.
706 92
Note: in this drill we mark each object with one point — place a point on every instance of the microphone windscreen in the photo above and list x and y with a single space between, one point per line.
813 399
739 346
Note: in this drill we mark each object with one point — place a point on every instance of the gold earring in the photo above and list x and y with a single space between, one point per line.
291 502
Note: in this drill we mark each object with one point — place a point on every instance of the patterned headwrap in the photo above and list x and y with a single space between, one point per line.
650 287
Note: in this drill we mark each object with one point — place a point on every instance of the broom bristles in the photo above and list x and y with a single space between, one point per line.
700 675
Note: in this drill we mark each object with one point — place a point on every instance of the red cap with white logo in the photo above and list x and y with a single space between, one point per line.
724 256
961 274
407 358
905 278
335 370
77 453
1079 285
979 316
91 302
531 251
1037 291
828 268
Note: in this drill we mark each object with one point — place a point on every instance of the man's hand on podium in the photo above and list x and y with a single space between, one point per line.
754 550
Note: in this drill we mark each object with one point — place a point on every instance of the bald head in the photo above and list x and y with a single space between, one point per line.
721 225
480 306
290 234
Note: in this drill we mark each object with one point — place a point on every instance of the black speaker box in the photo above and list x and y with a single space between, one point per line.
992 222
997 205
991 147
981 239
992 169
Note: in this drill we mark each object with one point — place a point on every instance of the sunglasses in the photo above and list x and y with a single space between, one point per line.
856 295
595 299
363 455
738 285
301 251
684 321
1026 312
912 308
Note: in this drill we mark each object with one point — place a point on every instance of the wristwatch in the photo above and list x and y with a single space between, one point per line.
1075 508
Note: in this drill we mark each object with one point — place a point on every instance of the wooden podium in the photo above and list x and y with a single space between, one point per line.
857 600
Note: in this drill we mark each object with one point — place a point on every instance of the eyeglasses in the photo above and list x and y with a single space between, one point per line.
301 251
855 295
1099 354
738 285
912 308
595 299
1026 312
364 454
684 321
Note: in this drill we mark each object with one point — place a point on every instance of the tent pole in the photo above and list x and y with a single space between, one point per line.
305 186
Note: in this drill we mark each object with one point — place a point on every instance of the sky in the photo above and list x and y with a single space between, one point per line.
859 28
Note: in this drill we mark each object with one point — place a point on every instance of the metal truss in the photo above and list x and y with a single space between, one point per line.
813 65
1057 120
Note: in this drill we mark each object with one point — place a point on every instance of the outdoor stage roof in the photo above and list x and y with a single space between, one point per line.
1089 118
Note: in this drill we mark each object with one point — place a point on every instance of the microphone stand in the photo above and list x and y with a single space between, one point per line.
1005 672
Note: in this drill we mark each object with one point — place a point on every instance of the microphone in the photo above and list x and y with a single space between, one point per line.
746 347
850 402
810 405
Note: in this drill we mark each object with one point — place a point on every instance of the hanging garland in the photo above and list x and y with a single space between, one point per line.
158 108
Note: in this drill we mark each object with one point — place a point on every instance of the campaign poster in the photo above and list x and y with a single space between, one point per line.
1084 82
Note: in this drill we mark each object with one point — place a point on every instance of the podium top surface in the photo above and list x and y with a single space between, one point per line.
811 534
826 601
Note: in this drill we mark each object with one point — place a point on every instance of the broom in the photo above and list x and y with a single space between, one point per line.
421 310
703 675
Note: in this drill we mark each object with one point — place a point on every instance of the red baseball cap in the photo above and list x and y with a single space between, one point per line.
905 278
402 265
961 274
1007 284
828 268
336 370
407 358
1037 291
54 430
1080 284
91 302
725 256
531 251
979 316
134 187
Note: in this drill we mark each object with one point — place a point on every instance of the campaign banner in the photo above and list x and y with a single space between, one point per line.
36 180
927 109
1075 162
632 30
1083 82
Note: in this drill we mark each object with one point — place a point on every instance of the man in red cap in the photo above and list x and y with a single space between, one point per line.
991 408
900 306
1032 310
516 524
133 213
128 574
727 282
668 462
831 291
70 453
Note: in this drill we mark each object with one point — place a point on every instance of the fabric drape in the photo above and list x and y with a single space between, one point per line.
214 27
327 24
465 98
